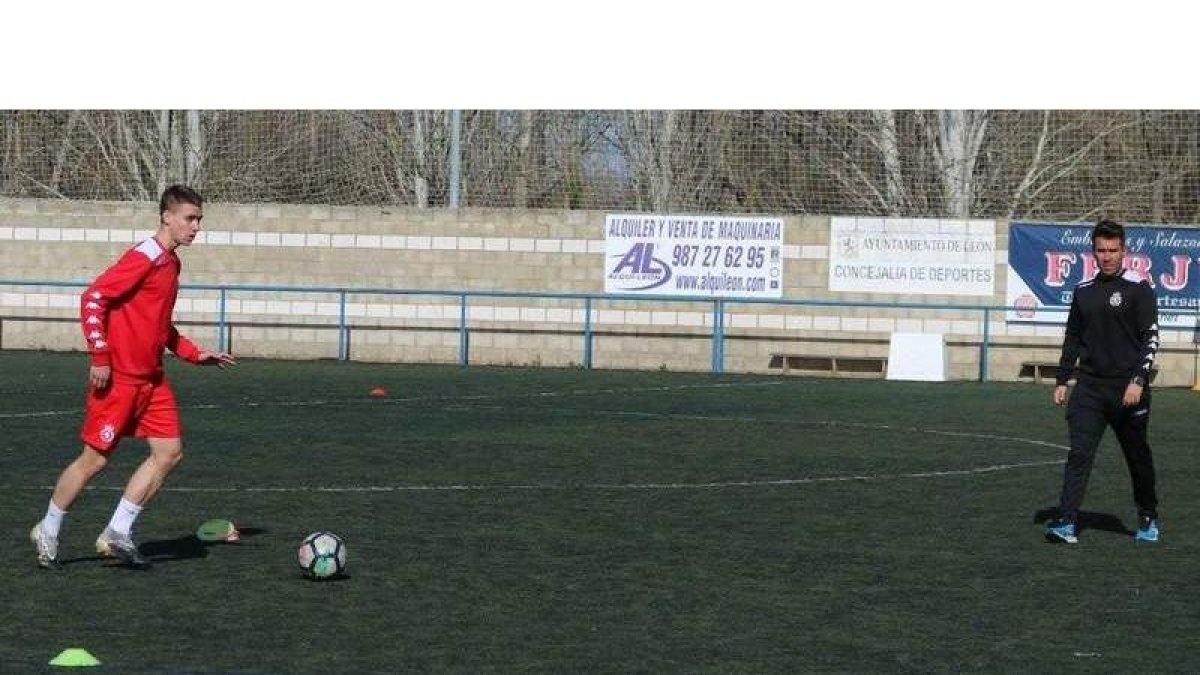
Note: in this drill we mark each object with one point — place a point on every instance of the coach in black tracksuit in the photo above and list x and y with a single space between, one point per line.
1112 330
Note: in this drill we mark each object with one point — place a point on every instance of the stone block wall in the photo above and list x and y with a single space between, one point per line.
500 250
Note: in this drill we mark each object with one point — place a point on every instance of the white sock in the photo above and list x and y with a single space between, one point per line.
52 523
123 517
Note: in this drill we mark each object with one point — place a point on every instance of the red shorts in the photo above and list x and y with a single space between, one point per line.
141 409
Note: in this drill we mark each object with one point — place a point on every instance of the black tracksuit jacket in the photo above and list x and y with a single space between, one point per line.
1112 329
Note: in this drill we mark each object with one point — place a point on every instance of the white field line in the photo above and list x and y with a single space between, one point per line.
414 399
42 413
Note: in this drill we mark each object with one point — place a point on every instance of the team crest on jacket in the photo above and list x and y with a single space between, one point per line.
1115 299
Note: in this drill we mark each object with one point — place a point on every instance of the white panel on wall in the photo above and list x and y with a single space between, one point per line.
664 318
799 323
770 321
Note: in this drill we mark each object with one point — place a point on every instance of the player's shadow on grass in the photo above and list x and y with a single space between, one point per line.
1088 520
188 547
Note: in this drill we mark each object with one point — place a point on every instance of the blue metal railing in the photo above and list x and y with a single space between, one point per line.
719 311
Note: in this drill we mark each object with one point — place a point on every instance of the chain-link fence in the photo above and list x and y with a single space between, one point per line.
1139 166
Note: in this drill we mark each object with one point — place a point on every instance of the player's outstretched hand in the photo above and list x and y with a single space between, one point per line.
220 360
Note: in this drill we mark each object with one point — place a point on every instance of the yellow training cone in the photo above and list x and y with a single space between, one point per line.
74 657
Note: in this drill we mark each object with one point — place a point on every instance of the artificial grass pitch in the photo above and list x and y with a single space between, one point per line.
558 520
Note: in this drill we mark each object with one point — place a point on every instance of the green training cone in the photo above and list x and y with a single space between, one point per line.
217 530
74 657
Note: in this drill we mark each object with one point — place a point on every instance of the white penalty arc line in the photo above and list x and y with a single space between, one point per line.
618 486
780 482
787 421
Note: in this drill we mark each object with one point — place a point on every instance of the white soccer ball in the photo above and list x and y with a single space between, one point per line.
322 555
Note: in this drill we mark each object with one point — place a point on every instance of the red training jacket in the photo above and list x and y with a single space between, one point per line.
126 313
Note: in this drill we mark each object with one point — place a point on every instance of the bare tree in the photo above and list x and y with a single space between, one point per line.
65 145
420 150
646 142
1135 165
885 140
194 150
1059 147
524 159
851 148
955 138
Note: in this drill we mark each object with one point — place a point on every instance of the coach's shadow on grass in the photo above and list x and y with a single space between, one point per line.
1088 520
169 550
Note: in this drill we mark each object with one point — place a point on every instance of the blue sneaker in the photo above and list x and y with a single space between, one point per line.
1060 532
1147 529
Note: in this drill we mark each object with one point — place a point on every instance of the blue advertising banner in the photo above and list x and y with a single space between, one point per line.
1045 262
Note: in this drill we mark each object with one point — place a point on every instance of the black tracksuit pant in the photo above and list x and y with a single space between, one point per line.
1094 404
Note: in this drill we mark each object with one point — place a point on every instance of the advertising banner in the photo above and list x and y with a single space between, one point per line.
1046 262
912 256
696 256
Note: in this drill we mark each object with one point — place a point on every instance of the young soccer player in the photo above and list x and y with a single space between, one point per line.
126 318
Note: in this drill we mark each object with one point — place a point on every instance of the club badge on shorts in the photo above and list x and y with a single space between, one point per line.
107 433
1115 299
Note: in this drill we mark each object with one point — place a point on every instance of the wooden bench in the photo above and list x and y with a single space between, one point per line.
832 364
1048 370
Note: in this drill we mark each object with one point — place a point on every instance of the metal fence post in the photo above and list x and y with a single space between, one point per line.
587 333
463 337
718 347
983 352
222 339
343 346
